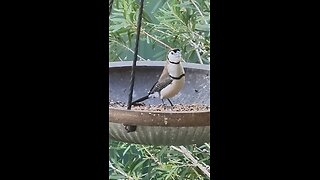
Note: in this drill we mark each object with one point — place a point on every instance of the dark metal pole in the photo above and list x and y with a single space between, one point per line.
133 128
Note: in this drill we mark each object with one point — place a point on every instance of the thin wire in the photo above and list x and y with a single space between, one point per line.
135 56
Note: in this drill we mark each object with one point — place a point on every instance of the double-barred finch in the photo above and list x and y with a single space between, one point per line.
170 82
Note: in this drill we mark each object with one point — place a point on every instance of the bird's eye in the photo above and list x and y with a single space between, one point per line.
171 52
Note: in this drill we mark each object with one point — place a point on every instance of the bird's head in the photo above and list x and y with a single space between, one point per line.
174 55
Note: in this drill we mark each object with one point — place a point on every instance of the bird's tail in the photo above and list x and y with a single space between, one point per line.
140 99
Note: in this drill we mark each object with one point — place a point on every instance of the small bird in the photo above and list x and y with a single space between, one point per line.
171 80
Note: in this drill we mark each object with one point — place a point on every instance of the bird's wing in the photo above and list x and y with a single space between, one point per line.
165 74
160 85
163 81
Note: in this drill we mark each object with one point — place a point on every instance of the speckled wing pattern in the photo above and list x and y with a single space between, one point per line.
160 85
164 81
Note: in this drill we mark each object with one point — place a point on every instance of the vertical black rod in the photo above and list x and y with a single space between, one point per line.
135 56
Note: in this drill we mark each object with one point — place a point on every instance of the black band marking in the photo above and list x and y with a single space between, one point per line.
177 77
173 62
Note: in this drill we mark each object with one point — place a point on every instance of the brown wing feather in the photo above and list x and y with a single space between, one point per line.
165 74
163 81
160 85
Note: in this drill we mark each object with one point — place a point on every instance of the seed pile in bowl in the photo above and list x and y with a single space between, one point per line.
160 107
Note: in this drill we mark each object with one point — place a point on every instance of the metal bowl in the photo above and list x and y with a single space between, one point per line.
159 127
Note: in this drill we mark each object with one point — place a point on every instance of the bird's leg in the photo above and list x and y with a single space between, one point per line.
162 101
170 102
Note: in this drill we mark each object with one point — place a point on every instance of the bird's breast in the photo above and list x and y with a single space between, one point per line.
175 70
172 89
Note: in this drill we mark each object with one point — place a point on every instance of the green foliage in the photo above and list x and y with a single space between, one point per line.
155 162
166 23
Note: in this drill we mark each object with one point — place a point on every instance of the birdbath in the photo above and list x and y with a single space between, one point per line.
159 127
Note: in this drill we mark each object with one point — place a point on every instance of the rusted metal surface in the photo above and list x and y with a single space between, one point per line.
156 118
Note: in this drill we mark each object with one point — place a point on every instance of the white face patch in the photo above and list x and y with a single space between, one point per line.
174 56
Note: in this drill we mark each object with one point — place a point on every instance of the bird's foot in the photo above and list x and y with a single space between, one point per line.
170 102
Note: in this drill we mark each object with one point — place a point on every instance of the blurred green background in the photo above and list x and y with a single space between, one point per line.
183 24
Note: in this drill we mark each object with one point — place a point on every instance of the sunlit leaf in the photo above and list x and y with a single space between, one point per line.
201 27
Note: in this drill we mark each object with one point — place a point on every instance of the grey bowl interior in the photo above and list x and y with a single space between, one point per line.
196 90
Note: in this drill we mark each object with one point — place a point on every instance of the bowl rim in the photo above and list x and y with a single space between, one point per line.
157 64
159 118
168 112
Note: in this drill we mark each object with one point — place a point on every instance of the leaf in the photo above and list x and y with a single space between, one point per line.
117 19
139 165
158 4
160 55
201 27
126 150
117 177
186 4
116 27
148 40
149 17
